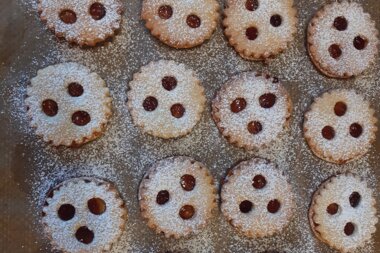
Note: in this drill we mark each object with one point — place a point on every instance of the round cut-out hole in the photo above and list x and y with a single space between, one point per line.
335 51
360 43
177 111
245 206
68 17
50 107
332 208
356 130
66 212
276 20
267 100
252 5
169 83
165 11
238 105
355 199
186 212
254 127
340 23
75 89
96 206
259 182
162 197
252 33
150 104
97 11
193 21
84 235
188 182
340 109
273 206
328 132
80 118
349 228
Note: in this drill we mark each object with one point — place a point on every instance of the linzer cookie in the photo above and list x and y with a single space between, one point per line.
166 99
181 24
251 110
342 39
340 126
84 215
177 196
343 213
259 30
256 198
68 105
84 22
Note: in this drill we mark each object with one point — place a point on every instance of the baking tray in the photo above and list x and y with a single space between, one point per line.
29 167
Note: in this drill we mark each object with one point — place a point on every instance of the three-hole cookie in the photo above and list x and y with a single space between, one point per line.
181 24
340 126
166 99
84 22
84 215
256 198
342 39
68 105
177 196
342 213
251 109
260 29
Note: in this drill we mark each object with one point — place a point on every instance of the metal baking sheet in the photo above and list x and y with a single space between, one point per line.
29 167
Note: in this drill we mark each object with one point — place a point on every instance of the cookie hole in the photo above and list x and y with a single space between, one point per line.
349 228
150 104
75 89
50 107
162 197
340 109
188 182
328 132
252 5
267 100
276 20
169 83
355 199
165 11
187 212
96 206
66 212
252 33
332 208
356 130
84 235
275 80
340 23
360 42
177 110
273 206
259 182
80 118
335 51
238 105
193 21
68 16
245 206
97 11
254 127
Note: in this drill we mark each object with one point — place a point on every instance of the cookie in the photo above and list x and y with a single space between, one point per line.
251 110
177 196
166 99
343 213
181 24
257 199
342 40
84 22
340 126
259 30
84 215
68 105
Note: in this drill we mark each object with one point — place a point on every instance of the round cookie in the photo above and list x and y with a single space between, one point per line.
342 40
84 215
166 99
340 126
181 24
259 30
177 196
251 110
68 105
84 22
343 213
256 198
